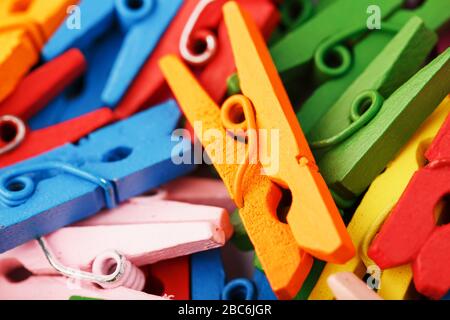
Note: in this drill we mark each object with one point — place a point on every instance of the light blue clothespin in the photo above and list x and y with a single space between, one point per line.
143 22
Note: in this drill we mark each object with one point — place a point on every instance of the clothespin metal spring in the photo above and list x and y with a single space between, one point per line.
361 113
208 37
12 131
230 112
16 187
124 274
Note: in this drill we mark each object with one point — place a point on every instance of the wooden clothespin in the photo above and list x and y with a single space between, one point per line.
384 192
363 120
31 95
314 220
107 167
350 63
347 286
137 20
141 231
25 26
412 233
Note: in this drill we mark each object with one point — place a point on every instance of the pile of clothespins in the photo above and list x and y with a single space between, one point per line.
214 149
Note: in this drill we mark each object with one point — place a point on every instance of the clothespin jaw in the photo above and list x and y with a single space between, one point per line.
111 165
412 229
254 66
24 28
347 286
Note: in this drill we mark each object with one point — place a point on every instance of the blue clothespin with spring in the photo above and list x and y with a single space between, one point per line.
142 23
208 281
75 181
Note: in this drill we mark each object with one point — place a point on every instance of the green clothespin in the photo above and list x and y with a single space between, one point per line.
343 20
350 167
434 13
398 62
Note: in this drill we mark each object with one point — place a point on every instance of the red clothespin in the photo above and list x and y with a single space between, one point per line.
115 243
208 39
170 278
33 93
413 232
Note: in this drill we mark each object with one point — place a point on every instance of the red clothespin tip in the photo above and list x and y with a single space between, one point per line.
42 85
34 93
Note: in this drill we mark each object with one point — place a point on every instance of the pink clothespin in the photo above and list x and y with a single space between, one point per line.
347 286
206 191
108 248
17 284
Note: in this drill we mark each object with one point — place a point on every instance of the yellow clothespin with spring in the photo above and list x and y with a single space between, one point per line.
314 223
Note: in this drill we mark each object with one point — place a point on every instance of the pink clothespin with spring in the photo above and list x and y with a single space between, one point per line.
108 248
206 191
347 286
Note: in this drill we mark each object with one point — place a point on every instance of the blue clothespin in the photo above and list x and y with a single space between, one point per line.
208 281
84 95
75 181
142 23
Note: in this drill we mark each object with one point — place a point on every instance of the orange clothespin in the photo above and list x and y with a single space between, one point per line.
314 222
25 26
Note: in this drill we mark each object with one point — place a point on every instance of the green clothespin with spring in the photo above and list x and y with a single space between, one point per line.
313 41
364 98
349 166
434 13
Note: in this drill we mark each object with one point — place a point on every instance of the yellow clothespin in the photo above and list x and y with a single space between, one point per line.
25 26
383 194
314 222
